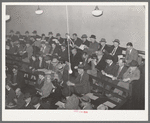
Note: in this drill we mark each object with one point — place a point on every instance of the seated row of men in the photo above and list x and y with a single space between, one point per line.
96 59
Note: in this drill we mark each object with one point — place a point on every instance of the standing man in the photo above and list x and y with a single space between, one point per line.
103 46
50 38
131 53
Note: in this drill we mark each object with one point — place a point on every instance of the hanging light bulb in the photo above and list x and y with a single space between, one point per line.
96 12
7 17
70 71
39 11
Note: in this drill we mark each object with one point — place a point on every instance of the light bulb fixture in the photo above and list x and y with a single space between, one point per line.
70 71
7 17
38 11
96 12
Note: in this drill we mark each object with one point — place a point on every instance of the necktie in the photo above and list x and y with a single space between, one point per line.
114 50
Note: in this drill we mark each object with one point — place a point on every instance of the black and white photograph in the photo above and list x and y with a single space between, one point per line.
74 61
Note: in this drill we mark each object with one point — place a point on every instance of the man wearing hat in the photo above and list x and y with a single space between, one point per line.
131 53
63 54
103 46
85 41
26 37
19 48
93 45
35 35
77 41
59 38
12 36
27 98
29 51
81 84
19 35
115 50
50 38
45 50
110 68
133 73
16 80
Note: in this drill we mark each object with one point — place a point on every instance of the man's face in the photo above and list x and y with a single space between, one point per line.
58 37
54 62
34 34
103 43
120 62
74 51
128 47
28 100
27 45
85 56
74 37
50 35
15 71
92 40
40 76
27 34
84 39
53 45
11 33
18 92
63 48
43 45
108 61
80 71
115 44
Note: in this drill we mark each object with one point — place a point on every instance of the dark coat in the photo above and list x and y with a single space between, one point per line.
78 42
118 52
101 64
105 50
87 43
82 85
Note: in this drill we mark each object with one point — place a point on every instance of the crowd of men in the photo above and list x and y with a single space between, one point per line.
63 66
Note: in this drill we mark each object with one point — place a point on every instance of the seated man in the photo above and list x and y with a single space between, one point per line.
19 99
104 47
59 38
81 84
45 49
40 81
93 45
133 73
16 78
115 50
47 86
85 41
131 53
85 61
27 98
120 70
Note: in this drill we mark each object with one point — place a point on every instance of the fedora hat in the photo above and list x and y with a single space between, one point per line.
103 40
93 36
117 40
34 32
84 36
